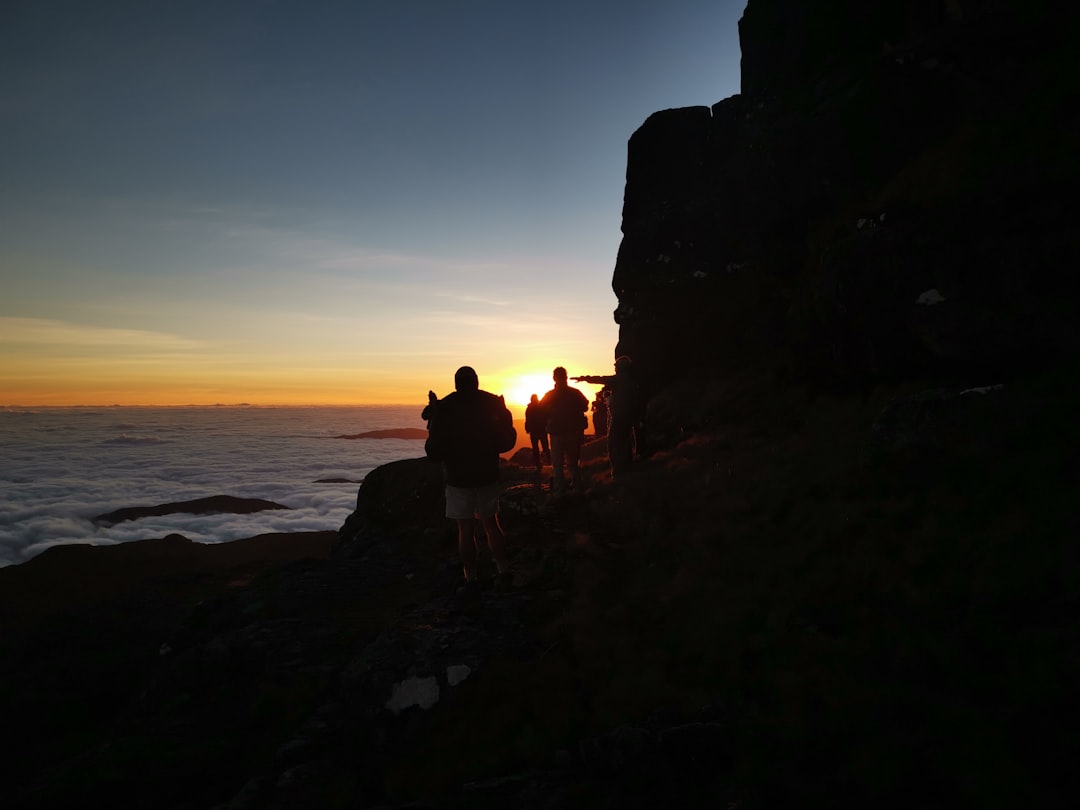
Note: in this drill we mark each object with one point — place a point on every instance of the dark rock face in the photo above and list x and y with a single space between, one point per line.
392 433
91 629
398 496
879 151
200 506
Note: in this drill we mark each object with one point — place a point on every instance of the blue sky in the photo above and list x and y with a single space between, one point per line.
323 201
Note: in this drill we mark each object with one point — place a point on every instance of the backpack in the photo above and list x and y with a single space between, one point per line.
566 410
458 429
535 418
505 433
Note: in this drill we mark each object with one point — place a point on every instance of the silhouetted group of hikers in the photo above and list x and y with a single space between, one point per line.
469 428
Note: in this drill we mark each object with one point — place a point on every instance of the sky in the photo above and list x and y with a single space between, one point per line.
284 202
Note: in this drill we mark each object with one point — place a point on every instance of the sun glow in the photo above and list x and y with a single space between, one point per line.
519 389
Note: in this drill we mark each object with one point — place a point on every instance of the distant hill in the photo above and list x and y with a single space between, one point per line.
391 433
225 504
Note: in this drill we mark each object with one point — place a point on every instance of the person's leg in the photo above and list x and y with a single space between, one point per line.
487 509
558 480
496 540
573 460
535 441
641 449
620 447
461 507
466 544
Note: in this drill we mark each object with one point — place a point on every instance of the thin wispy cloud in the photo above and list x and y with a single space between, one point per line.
46 332
473 298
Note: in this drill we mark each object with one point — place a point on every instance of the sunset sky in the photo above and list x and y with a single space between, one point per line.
279 201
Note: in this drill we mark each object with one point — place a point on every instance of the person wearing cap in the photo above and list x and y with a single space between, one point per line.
625 423
467 432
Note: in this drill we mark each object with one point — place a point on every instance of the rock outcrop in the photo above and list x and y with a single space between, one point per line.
391 433
217 504
892 196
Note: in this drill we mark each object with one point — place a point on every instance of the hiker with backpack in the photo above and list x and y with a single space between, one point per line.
565 407
468 429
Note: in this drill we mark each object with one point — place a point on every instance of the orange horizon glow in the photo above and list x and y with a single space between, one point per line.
516 386
55 363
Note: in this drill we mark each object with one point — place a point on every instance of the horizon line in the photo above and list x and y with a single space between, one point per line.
4 407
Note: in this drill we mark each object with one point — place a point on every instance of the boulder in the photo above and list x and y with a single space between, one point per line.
393 498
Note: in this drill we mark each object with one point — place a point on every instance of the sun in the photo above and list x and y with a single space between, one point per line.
519 389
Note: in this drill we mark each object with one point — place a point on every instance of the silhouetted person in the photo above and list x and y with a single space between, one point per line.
565 408
536 427
626 428
467 432
600 413
429 409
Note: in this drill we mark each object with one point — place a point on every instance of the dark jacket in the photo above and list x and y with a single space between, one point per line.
625 403
565 408
464 434
535 418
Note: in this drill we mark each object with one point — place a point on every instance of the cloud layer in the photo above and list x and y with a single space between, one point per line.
63 466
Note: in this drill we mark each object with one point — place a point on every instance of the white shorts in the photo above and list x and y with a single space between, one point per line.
467 502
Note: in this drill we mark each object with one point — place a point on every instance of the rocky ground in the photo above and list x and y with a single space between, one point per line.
823 601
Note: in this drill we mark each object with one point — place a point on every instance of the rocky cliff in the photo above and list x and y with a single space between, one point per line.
892 196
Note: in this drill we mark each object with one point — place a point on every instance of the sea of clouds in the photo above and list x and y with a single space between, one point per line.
61 467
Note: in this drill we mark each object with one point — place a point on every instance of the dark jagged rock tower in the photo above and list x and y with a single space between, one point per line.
893 195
